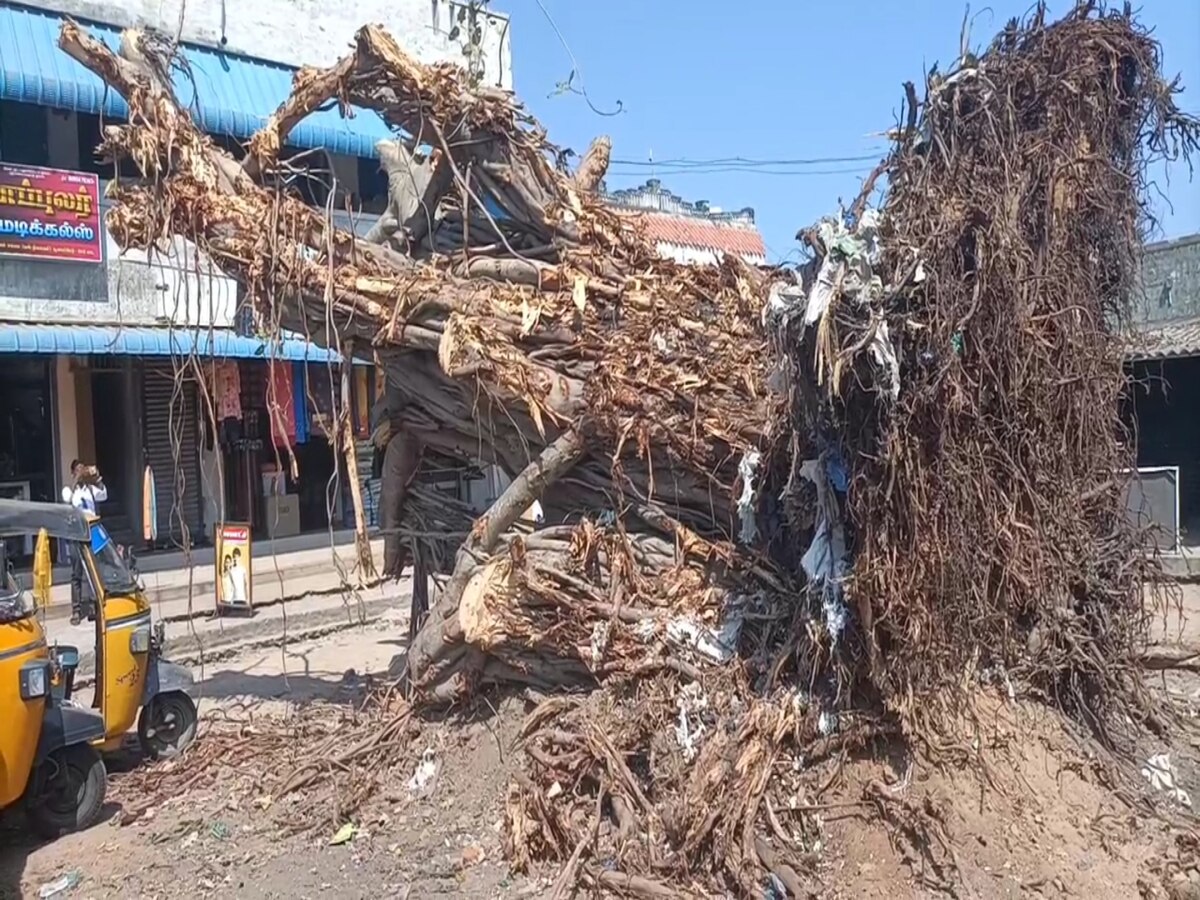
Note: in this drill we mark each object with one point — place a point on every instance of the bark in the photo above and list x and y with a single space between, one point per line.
530 485
366 562
401 460
415 188
449 631
594 166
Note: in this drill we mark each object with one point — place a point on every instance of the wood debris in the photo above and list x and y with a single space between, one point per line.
688 654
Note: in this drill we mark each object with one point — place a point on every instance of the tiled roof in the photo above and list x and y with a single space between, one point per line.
704 235
1167 340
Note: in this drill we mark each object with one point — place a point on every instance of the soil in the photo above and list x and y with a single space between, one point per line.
1035 809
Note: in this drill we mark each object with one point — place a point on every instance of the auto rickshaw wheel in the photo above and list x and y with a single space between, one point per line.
66 791
167 725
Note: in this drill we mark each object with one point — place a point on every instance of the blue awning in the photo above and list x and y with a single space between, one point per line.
231 94
91 340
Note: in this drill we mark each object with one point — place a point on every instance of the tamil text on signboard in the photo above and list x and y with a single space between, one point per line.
235 587
50 214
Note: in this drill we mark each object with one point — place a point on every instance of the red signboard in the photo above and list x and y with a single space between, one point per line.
50 214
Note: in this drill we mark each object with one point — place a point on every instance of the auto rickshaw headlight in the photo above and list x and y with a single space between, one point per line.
139 640
35 680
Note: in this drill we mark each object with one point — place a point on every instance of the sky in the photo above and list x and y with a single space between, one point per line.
787 80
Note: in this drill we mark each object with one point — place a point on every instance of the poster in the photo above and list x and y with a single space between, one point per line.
235 579
50 214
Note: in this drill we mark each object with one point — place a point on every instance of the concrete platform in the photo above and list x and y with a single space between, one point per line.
1183 565
287 567
195 636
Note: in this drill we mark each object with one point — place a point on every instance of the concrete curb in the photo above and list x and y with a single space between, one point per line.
247 634
1181 568
205 587
269 571
203 593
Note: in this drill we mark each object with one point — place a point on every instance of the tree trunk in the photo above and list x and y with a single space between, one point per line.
554 344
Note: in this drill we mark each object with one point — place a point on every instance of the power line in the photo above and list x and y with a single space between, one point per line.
682 163
568 86
856 170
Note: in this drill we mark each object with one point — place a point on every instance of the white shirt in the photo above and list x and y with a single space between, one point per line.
85 496
237 579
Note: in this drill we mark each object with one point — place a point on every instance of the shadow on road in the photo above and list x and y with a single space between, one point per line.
299 688
18 843
15 847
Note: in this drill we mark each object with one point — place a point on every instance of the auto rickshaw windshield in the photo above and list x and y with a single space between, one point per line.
14 602
114 574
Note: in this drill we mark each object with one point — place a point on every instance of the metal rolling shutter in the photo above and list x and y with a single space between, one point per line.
158 390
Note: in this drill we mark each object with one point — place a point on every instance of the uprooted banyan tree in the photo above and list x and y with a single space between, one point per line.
794 511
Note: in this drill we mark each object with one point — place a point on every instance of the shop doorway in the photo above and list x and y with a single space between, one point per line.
27 459
316 489
115 453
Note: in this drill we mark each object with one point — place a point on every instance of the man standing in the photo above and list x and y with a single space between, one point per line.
85 490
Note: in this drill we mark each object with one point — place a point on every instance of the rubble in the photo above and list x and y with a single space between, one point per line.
906 453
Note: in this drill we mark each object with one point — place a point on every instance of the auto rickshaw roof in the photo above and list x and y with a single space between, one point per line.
20 517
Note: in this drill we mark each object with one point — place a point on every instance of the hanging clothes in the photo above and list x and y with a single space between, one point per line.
320 392
281 404
228 390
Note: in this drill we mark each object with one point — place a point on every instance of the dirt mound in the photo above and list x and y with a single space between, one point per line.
1033 812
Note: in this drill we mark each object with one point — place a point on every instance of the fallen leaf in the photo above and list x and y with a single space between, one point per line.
344 835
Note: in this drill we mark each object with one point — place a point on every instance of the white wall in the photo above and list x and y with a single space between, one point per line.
699 255
303 32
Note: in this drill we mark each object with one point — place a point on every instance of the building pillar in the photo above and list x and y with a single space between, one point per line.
67 413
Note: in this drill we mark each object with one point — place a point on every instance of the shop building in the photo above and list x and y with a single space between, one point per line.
1164 392
692 232
114 358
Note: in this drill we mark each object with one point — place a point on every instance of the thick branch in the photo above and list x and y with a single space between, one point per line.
594 165
311 89
553 463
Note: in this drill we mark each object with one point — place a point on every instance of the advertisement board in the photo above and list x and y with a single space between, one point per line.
50 214
234 571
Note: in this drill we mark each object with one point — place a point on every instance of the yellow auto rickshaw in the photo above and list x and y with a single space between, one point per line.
133 683
47 755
